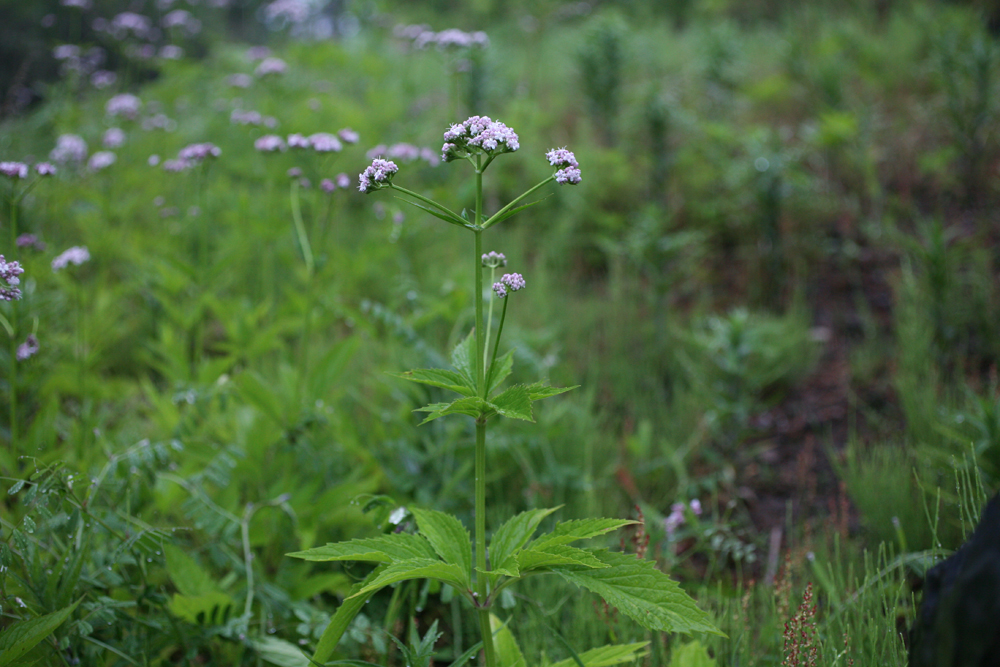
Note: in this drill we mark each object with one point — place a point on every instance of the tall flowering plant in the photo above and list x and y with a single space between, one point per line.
441 549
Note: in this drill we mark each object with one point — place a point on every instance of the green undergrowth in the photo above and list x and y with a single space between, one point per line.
763 197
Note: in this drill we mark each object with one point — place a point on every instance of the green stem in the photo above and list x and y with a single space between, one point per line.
12 378
300 228
496 345
482 590
489 316
492 221
482 584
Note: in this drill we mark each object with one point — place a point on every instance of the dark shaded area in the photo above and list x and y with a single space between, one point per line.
958 624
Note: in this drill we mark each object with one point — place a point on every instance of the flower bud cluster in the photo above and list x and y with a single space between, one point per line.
568 170
509 282
478 135
493 259
377 175
9 272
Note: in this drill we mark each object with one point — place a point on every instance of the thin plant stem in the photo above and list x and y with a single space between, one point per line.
493 218
482 584
489 316
81 371
12 377
496 345
307 256
300 229
247 556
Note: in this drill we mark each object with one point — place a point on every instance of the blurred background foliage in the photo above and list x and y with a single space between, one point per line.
777 286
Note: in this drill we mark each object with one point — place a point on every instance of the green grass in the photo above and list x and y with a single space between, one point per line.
228 404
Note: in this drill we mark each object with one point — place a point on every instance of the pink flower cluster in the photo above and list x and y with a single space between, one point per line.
405 153
240 117
69 148
568 168
478 135
377 175
190 156
28 348
452 38
125 105
271 66
101 160
9 273
197 153
76 255
509 282
292 11
342 181
130 22
677 518
113 137
14 170
270 143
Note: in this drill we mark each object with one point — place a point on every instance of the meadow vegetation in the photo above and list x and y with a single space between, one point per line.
776 287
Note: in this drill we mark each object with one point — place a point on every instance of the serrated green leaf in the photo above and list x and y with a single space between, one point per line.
448 536
508 653
566 532
439 377
540 390
605 656
188 576
513 403
462 357
513 535
472 406
556 555
345 613
21 637
384 549
419 568
500 369
642 593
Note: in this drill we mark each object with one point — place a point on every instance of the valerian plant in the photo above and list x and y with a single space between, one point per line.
441 549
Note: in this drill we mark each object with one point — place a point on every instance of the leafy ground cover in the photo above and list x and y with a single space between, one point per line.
775 286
